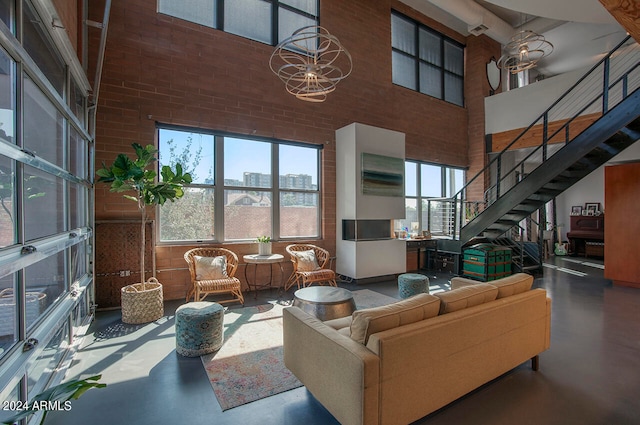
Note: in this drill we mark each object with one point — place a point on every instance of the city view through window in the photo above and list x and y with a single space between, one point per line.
243 206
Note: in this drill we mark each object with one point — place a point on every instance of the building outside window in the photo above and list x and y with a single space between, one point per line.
267 21
426 61
233 196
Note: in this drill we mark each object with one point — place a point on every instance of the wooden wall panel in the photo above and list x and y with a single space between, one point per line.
533 137
622 227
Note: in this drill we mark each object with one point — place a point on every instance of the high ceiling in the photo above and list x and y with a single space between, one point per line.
580 30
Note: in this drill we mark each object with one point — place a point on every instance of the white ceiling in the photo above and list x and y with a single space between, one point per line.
580 30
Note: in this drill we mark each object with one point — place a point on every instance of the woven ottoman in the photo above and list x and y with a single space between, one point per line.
199 328
410 284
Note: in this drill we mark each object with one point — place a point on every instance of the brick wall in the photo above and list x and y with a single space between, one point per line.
161 69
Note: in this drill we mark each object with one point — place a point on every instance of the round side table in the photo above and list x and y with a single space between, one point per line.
325 302
257 259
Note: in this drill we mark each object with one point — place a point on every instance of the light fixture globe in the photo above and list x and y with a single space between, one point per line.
310 63
524 51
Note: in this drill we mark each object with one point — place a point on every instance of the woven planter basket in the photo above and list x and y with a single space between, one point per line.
36 303
142 302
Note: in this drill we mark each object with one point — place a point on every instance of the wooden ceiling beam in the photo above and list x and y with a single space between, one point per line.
627 13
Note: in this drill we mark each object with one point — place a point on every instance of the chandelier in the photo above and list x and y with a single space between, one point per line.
311 62
524 51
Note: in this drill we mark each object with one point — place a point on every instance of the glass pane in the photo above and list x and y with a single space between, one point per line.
248 18
8 327
43 200
45 281
430 47
78 152
77 102
403 70
431 80
199 11
7 98
454 89
453 58
194 151
41 49
78 261
43 125
455 181
411 216
299 214
247 214
431 180
189 218
403 35
8 225
77 205
247 163
410 179
298 167
309 6
288 22
40 372
6 12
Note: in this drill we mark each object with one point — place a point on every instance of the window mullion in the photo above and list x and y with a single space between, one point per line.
218 190
275 191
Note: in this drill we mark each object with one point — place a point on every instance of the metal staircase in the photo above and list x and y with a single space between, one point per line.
561 151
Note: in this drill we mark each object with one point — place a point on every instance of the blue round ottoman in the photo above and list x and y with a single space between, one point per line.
410 284
199 328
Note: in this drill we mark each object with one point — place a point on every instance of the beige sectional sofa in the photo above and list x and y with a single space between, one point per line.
397 363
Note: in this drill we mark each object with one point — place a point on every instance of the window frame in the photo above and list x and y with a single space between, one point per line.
219 18
219 187
418 61
419 198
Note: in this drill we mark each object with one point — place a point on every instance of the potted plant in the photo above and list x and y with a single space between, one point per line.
264 245
142 302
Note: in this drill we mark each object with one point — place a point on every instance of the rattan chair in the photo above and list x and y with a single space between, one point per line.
303 278
229 284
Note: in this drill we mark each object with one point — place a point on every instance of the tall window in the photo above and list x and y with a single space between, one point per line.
268 21
426 61
233 195
428 189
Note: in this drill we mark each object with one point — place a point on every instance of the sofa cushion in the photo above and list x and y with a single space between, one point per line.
377 319
512 285
467 296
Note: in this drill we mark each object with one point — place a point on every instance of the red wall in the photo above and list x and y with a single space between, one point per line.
161 69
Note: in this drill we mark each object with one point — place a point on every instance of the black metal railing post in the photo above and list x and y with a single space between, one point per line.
605 86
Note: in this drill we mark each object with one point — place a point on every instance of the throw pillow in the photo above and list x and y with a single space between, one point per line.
209 268
373 320
307 261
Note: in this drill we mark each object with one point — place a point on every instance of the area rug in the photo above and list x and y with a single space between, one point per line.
250 364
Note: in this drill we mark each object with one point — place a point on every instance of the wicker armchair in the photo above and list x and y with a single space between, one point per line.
303 275
226 284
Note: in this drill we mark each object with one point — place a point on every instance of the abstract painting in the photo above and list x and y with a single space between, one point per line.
382 175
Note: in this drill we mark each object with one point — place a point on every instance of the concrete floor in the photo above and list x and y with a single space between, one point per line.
590 375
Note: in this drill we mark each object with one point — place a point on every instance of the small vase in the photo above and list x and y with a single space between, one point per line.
264 248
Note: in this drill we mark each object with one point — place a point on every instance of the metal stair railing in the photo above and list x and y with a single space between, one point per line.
605 85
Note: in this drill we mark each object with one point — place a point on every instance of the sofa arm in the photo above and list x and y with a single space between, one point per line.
342 374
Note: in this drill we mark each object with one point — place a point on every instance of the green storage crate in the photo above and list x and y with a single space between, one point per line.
486 262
